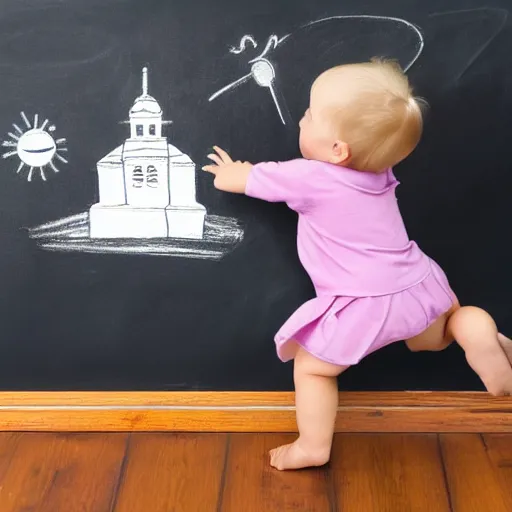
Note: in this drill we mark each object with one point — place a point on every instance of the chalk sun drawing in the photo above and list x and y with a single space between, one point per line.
147 200
34 146
263 71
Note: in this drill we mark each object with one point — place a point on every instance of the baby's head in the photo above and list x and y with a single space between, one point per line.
362 116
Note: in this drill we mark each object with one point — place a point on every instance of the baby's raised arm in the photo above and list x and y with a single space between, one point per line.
291 182
229 176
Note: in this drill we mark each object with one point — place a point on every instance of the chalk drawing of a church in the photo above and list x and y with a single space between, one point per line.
147 201
147 187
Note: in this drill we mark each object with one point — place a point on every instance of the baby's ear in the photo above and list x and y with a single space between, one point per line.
340 153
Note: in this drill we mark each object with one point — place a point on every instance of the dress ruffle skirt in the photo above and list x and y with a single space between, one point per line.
343 330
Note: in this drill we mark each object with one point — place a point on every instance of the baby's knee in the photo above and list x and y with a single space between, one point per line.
470 324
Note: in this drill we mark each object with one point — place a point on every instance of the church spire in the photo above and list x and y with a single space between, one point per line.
144 81
146 114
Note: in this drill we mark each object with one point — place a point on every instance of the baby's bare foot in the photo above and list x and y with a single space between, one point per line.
294 456
492 363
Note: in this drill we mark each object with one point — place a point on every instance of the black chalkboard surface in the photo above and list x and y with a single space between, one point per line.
182 287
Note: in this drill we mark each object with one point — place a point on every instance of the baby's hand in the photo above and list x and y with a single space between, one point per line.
229 176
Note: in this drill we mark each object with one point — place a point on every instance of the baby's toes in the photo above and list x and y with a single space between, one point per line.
274 457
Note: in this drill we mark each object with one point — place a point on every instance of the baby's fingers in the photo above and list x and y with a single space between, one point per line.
225 157
211 168
217 159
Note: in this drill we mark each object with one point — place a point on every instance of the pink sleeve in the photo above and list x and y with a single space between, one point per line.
289 182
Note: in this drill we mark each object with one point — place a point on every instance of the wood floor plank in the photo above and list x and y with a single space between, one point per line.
8 444
473 481
389 473
61 472
251 485
172 472
499 451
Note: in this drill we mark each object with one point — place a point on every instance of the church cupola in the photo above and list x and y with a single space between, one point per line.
146 114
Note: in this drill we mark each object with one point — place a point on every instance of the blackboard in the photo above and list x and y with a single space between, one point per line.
82 308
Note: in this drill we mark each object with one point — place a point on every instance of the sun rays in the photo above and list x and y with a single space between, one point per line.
35 146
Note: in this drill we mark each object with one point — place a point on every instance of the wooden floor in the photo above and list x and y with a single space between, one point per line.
230 473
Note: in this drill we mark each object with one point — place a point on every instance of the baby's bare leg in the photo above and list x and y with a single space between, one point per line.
506 345
316 401
476 332
488 352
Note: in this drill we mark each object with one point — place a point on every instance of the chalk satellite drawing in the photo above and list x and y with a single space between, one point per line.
147 200
34 146
263 69
288 64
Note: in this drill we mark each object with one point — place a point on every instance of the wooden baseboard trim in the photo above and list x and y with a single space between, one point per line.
249 412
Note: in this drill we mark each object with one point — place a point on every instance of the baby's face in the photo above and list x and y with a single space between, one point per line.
313 141
317 137
307 140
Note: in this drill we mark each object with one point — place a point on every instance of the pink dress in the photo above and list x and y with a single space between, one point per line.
373 285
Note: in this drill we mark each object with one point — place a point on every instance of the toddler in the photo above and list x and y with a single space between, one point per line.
373 285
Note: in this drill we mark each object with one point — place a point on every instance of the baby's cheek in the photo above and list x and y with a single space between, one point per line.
301 142
302 136
304 147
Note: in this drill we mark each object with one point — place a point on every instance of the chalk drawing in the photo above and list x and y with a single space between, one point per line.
35 146
147 200
263 71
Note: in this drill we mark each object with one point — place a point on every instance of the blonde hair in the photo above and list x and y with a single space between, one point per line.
375 113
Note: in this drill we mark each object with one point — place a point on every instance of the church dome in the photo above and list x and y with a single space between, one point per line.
146 104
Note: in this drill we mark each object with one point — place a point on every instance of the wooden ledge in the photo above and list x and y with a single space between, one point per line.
407 411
